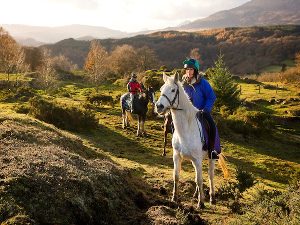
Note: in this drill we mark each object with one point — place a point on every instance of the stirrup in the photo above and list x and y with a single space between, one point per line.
214 155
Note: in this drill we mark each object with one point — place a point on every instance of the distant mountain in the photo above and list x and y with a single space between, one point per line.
55 34
252 13
29 42
261 46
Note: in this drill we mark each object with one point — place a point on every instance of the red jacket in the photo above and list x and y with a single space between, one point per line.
134 87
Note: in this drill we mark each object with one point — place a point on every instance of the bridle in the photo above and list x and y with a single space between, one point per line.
174 99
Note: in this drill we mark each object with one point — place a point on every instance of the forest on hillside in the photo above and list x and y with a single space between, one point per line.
246 50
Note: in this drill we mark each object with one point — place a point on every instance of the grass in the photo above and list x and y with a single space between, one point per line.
280 92
272 158
277 68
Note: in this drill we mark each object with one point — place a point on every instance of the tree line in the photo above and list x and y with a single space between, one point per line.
246 50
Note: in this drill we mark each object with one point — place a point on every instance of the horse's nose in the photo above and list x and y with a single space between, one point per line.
159 107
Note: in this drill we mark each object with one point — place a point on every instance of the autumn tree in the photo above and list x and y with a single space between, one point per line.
12 55
96 62
195 54
124 60
146 58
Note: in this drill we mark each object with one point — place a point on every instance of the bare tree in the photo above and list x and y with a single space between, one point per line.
62 63
96 62
124 60
195 54
146 58
46 70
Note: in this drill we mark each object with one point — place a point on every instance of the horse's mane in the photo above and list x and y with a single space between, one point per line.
185 102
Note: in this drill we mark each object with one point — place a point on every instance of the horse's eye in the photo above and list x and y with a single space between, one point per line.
173 90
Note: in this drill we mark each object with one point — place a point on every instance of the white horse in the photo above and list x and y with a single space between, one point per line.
187 139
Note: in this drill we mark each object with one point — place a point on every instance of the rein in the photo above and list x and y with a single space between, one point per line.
174 99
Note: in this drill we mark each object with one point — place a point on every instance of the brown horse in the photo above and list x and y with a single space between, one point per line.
168 129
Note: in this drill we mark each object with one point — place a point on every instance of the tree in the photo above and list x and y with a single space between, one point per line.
224 86
33 57
12 56
124 60
96 62
47 71
62 63
146 58
195 54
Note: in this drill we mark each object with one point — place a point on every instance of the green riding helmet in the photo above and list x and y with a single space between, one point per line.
191 63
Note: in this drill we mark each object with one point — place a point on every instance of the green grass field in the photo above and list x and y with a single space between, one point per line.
272 158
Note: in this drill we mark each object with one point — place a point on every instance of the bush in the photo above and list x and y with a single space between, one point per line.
22 109
153 79
99 99
273 207
245 180
69 118
256 119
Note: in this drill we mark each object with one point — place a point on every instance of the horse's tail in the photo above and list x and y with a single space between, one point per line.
129 115
223 165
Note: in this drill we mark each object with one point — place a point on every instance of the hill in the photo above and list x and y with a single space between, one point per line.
55 34
49 177
246 50
253 13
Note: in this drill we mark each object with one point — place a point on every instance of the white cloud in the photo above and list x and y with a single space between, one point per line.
126 15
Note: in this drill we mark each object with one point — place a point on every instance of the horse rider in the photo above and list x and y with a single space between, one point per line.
202 96
134 87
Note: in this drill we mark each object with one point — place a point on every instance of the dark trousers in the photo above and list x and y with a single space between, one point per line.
212 130
207 119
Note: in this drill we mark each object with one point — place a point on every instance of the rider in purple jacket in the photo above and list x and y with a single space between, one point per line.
202 96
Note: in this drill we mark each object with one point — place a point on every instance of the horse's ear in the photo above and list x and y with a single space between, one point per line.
176 77
165 77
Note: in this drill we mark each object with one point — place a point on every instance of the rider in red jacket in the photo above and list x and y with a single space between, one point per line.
134 88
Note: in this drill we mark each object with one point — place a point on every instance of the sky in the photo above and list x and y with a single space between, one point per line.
123 15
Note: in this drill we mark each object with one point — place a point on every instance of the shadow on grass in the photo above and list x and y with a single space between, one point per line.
271 172
121 146
274 145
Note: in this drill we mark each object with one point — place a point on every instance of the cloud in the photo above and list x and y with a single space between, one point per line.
80 4
125 15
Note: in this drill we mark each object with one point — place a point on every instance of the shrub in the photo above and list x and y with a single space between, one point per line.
245 180
24 93
22 109
251 117
280 208
99 99
69 118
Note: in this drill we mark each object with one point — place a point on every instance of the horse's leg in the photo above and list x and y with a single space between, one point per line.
165 141
143 118
123 119
199 182
176 172
211 173
138 126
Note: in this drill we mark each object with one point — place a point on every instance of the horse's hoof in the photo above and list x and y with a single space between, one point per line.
201 206
174 199
212 201
164 154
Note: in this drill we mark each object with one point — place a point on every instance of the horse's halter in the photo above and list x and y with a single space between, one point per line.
174 99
